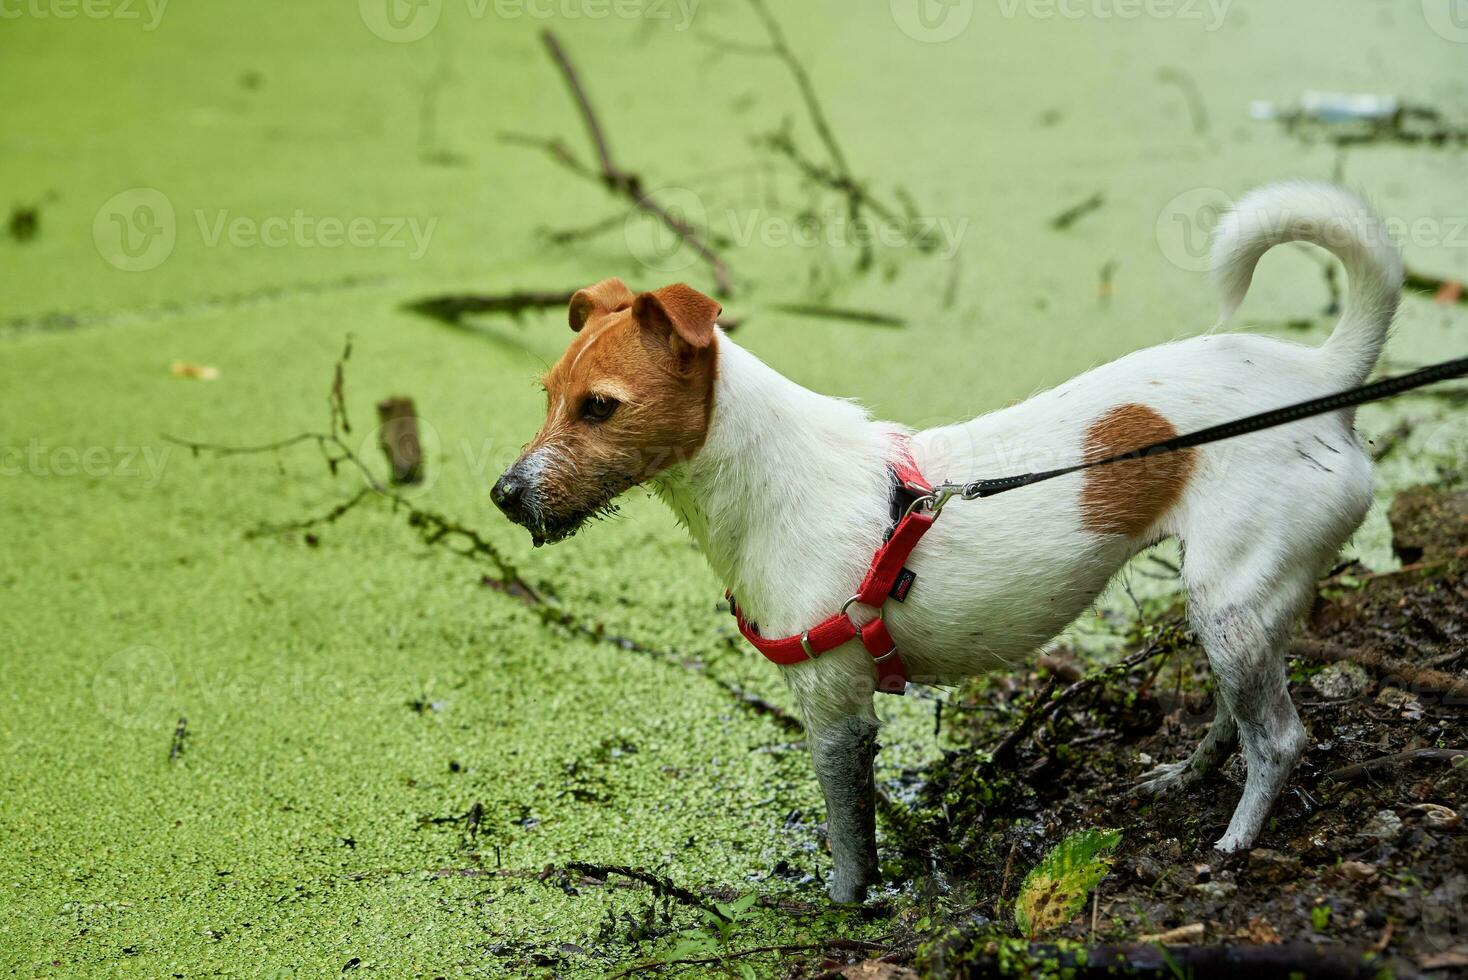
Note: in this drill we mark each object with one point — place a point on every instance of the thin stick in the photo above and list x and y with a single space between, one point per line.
1417 679
1347 773
180 735
1004 882
660 885
1189 86
1004 753
839 176
823 312
1450 290
583 103
807 89
1420 566
1045 705
307 523
851 945
558 151
613 177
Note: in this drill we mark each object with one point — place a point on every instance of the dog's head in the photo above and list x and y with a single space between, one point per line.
631 396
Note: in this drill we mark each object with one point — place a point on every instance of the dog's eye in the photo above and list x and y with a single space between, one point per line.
598 408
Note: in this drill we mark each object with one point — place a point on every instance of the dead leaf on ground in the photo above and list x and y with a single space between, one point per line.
195 371
1261 932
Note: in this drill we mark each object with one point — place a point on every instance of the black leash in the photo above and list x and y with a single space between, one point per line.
1386 388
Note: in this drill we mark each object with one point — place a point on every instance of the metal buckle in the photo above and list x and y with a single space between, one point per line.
935 501
805 645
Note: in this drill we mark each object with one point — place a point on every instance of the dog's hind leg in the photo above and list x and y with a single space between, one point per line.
1246 651
1217 745
1250 572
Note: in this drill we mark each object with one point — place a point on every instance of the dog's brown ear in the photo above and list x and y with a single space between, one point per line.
607 296
681 313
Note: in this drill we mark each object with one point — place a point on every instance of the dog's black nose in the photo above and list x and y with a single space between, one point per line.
508 495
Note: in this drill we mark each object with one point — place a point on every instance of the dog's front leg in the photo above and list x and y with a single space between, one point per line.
843 751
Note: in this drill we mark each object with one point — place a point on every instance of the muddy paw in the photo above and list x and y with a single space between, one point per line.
1167 777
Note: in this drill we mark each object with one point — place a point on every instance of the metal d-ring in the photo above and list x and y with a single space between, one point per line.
926 498
886 656
853 601
845 606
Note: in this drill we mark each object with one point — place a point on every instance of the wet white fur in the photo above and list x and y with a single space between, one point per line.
788 498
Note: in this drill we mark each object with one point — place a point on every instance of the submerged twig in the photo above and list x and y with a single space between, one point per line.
819 311
660 885
615 179
1410 125
180 735
836 943
434 528
1077 211
452 307
836 174
760 706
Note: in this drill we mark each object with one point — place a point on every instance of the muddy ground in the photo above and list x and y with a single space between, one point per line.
1366 866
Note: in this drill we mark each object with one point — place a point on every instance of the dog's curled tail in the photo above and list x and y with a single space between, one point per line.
1342 224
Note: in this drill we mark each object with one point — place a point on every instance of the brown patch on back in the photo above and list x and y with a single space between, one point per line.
1130 497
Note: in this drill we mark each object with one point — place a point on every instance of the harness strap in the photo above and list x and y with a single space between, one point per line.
883 580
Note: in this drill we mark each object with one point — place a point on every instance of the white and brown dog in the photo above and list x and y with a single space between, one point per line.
787 492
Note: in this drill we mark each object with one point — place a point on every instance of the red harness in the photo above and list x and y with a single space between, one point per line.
885 579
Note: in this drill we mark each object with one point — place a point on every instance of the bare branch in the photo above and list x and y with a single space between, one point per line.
609 174
1395 761
583 103
437 529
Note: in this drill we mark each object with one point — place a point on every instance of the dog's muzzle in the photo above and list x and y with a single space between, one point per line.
508 495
